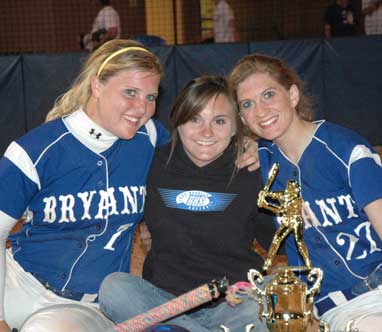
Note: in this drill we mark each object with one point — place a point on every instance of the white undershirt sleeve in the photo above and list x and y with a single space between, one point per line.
6 224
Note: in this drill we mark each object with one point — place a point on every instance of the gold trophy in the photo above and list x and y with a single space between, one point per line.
288 300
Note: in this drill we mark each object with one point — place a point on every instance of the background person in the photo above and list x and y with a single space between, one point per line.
106 26
372 11
224 22
341 184
340 20
202 215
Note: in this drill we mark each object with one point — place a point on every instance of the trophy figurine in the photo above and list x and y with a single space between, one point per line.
288 300
289 206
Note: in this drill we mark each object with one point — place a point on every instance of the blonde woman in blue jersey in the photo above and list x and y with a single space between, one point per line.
341 185
82 177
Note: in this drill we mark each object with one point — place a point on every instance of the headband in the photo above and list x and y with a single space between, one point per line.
123 50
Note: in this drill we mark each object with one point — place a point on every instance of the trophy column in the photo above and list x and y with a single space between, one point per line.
286 299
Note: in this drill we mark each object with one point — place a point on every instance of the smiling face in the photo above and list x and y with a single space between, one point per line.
267 107
207 134
125 102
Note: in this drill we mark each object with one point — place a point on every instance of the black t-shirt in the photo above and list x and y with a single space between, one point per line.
202 221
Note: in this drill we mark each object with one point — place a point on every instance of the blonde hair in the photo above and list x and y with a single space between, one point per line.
279 71
107 61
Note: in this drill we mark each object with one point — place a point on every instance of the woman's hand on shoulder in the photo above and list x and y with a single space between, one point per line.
145 236
374 211
250 157
4 327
